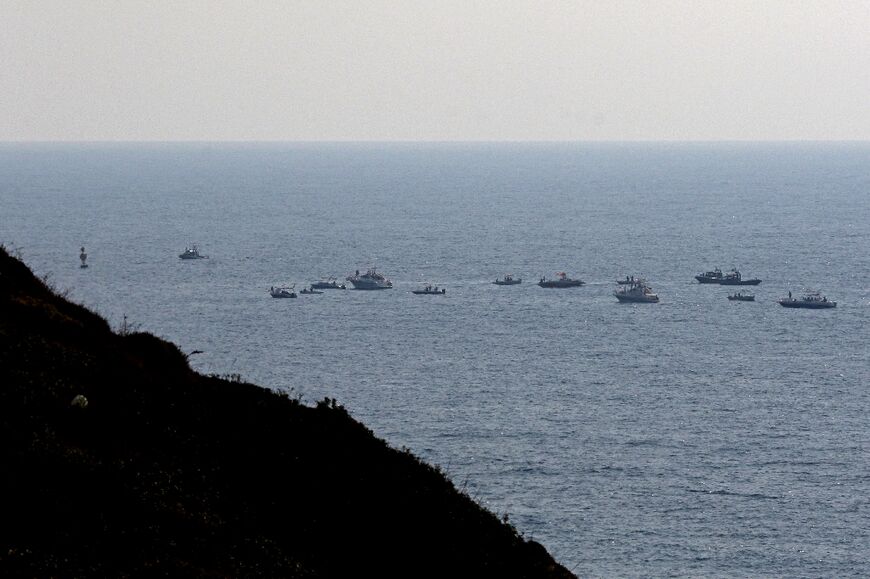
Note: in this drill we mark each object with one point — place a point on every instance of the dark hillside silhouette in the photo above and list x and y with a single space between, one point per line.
118 460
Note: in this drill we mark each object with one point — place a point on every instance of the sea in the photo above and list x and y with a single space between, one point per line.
695 437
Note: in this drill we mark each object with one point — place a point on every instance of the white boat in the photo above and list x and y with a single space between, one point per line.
192 253
429 291
282 292
741 297
329 283
508 280
370 280
636 292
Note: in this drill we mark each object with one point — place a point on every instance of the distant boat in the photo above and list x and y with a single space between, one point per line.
329 283
734 278
282 292
429 291
636 292
192 253
310 290
741 297
813 300
562 280
508 280
370 280
84 257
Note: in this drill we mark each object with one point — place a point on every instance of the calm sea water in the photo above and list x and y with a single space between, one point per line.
695 437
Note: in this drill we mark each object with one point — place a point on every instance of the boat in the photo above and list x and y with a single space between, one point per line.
84 257
192 253
310 290
636 292
812 300
370 280
734 278
714 276
508 280
282 292
329 283
429 291
742 297
562 280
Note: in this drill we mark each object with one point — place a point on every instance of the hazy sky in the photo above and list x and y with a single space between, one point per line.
434 70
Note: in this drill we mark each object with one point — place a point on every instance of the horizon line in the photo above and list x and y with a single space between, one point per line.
421 141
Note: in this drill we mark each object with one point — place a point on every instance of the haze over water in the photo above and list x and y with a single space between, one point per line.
691 437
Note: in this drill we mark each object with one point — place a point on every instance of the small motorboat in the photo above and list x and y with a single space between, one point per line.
192 253
429 291
282 292
562 280
741 297
310 290
508 280
637 292
329 283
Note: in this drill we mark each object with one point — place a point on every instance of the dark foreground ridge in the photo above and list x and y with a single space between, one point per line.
118 459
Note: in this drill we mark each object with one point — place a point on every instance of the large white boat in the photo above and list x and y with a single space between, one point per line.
370 280
637 292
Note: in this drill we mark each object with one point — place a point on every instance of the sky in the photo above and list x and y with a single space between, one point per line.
373 70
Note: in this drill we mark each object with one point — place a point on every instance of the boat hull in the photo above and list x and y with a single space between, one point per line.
561 284
649 299
429 293
807 305
369 286
740 282
741 299
508 282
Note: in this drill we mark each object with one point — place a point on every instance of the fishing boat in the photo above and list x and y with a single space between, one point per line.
508 280
812 300
192 253
328 283
282 292
636 292
741 297
370 280
562 280
429 291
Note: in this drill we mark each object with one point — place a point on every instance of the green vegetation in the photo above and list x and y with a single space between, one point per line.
118 459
